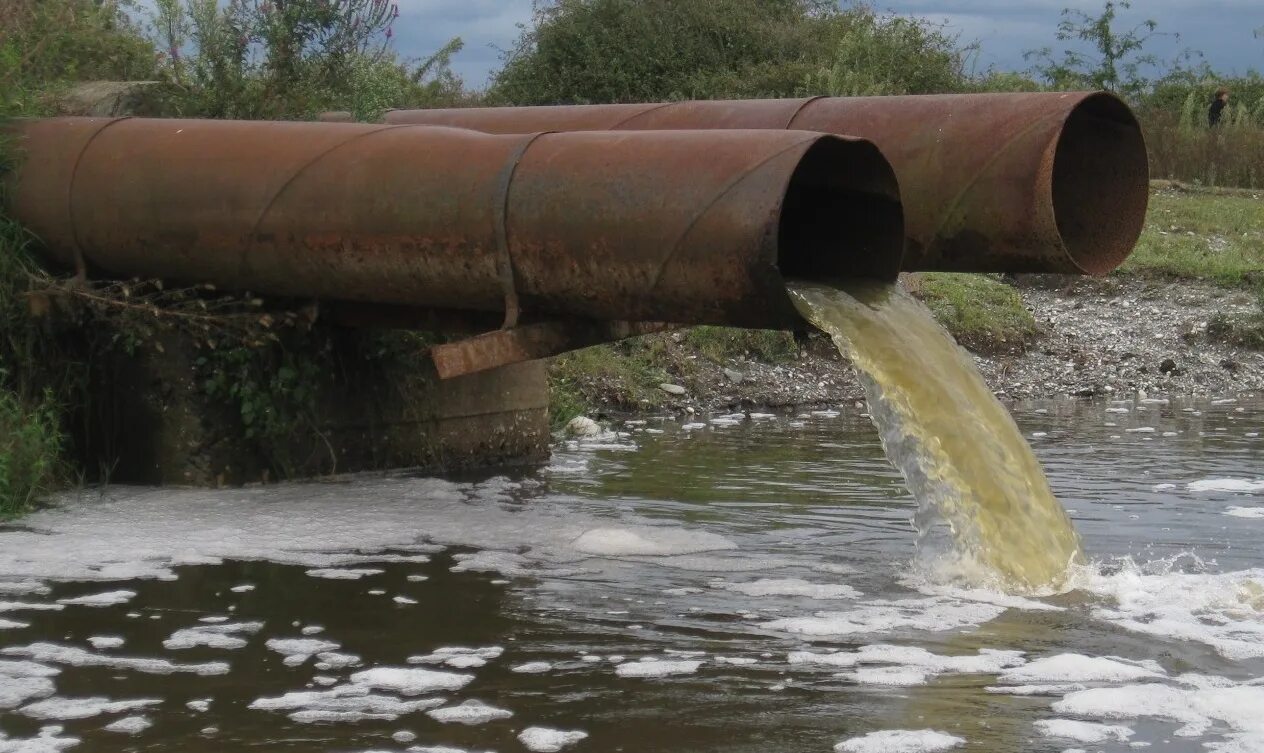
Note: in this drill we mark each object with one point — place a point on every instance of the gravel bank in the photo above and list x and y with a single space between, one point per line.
1098 338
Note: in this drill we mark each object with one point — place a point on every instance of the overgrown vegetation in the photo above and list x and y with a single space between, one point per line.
244 59
601 51
282 59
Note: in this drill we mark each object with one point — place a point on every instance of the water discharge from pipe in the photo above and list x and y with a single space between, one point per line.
979 488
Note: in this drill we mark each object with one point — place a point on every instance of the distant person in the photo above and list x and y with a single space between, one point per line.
1217 107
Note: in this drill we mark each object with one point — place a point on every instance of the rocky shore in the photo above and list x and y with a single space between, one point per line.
1097 338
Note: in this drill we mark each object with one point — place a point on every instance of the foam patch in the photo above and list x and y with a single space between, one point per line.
900 741
77 657
471 713
548 740
407 681
657 668
881 616
1083 732
107 599
83 708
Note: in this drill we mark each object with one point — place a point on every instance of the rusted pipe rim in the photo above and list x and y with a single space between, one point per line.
841 216
1100 183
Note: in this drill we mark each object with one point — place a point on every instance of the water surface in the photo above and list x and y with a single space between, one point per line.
769 560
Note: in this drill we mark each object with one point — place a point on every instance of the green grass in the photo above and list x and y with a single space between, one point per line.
983 313
723 344
30 452
1207 235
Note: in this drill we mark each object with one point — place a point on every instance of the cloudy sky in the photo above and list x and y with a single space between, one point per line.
1221 29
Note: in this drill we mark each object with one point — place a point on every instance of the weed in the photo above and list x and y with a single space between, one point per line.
31 444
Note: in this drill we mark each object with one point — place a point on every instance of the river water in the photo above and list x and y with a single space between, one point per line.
734 584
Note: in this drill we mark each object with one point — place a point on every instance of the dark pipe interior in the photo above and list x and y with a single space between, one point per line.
842 215
1100 183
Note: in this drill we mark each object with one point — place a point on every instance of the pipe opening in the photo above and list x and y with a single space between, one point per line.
1100 183
841 216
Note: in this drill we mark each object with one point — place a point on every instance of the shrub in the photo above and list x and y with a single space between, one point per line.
602 51
292 59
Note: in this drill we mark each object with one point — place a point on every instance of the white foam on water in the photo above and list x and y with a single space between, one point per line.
471 712
548 740
15 691
1077 668
403 600
220 635
13 624
532 668
304 525
298 650
736 661
22 587
106 641
884 616
200 705
835 659
1083 732
129 725
900 741
243 588
29 606
1245 512
336 660
338 573
1234 710
1231 485
77 657
895 676
312 629
47 741
657 668
408 681
403 736
343 703
648 541
459 657
83 708
1220 610
438 749
13 668
908 665
793 587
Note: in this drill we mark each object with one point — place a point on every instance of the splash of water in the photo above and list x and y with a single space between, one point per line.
983 500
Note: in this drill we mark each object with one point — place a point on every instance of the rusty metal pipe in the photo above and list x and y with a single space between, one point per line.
681 226
1045 182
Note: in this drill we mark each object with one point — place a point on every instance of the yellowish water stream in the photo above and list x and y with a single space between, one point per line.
962 456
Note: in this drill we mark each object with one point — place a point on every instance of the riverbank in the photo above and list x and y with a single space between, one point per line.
1183 317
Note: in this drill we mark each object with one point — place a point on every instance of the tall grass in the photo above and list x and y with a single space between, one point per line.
1183 147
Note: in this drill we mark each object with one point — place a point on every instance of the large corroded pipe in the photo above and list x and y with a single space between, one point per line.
1046 182
690 227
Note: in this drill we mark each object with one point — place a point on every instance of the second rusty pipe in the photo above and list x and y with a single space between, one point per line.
1043 182
689 227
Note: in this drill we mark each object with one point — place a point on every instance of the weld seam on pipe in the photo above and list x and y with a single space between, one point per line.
500 209
80 262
